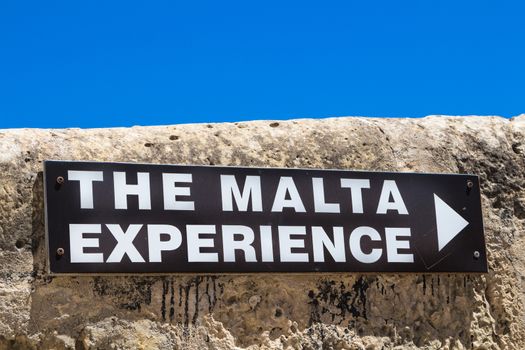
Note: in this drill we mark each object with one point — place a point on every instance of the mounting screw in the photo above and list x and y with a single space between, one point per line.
60 251
60 180
476 254
470 184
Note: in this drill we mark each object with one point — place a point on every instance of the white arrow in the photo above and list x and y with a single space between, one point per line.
449 222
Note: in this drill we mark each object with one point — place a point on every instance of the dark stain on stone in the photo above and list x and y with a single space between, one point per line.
163 305
186 290
337 301
172 301
197 281
207 293
129 293
360 288
135 305
211 295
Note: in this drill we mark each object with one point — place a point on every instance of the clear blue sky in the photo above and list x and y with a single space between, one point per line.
120 63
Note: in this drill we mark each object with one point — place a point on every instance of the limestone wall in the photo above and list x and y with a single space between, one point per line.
313 311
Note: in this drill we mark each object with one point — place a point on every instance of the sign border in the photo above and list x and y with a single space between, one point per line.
291 273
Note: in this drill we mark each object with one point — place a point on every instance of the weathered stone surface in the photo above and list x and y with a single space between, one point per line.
311 311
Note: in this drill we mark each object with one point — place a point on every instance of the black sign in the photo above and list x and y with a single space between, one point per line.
140 218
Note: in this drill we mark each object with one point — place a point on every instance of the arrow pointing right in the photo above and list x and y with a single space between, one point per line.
449 223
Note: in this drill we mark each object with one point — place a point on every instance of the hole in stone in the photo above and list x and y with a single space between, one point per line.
174 137
274 125
148 144
278 312
19 243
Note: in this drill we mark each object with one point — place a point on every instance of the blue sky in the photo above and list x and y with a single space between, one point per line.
121 63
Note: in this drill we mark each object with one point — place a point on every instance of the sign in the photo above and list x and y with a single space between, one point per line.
143 218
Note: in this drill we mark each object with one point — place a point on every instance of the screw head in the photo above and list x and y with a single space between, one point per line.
60 251
470 184
476 254
60 180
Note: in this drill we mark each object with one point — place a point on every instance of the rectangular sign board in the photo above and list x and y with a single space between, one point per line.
145 218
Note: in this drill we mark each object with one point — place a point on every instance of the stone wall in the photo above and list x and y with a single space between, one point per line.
311 311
